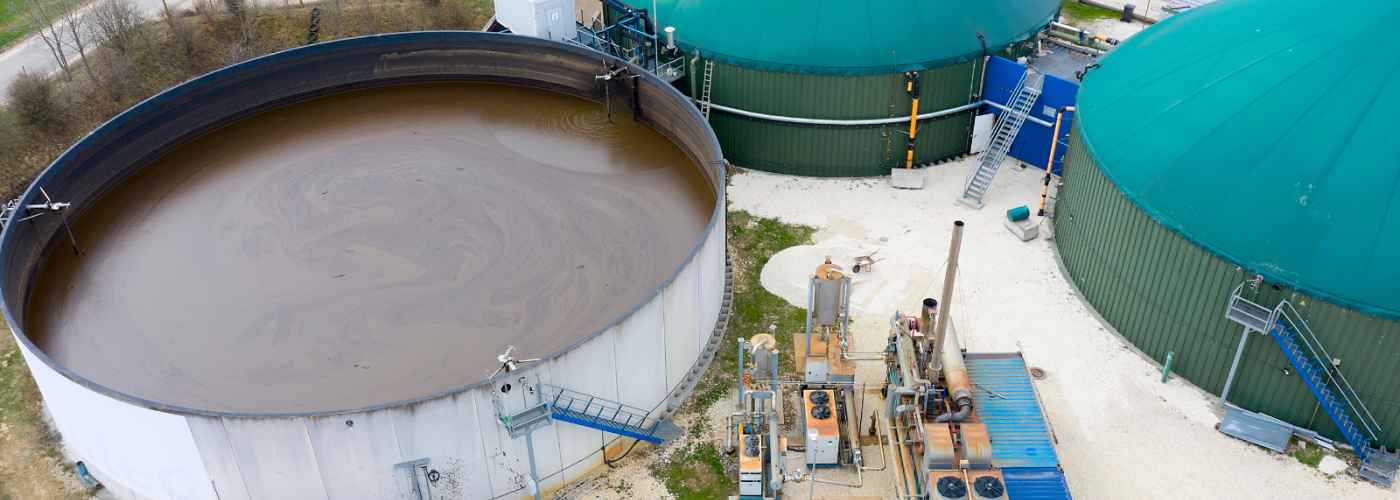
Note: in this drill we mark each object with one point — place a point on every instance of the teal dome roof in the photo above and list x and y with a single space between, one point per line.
845 37
1268 133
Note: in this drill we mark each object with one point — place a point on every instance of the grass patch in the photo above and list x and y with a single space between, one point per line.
697 474
11 29
1084 12
754 241
13 26
1310 456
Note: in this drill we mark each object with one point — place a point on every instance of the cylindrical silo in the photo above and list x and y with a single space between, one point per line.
1247 145
820 88
291 278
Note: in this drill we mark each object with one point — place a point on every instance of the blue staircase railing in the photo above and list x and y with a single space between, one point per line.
609 416
1332 390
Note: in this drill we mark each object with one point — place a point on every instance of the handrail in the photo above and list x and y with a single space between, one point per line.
1007 114
1367 420
594 408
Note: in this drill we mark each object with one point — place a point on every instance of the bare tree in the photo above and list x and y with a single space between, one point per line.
78 22
246 16
118 23
44 17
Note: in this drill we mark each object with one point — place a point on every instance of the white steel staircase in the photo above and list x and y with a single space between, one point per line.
1322 376
1008 125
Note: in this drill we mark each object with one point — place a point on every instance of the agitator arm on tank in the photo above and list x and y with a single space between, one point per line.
508 362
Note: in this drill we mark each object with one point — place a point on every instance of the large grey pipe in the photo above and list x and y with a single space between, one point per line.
955 376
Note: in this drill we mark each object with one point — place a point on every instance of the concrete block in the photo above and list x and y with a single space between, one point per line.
906 178
1025 229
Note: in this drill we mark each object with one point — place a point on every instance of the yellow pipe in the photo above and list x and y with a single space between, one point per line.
1050 164
913 120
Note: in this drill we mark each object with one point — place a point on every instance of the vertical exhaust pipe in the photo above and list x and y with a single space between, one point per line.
947 351
926 316
947 301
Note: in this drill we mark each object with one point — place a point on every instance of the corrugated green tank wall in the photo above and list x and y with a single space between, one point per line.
836 151
1164 294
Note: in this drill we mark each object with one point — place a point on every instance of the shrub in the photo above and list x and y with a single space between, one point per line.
38 106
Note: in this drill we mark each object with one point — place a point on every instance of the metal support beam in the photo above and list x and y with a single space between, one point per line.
534 477
1234 366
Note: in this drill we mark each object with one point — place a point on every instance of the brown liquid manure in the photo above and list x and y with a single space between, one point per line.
368 248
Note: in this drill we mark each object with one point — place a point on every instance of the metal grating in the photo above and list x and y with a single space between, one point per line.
1020 437
1035 484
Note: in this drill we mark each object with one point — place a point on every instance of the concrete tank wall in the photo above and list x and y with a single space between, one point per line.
146 453
648 359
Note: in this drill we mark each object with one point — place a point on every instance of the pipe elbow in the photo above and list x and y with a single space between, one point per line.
902 409
964 410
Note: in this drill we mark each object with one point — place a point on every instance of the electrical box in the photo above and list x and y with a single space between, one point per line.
823 432
816 371
550 19
750 465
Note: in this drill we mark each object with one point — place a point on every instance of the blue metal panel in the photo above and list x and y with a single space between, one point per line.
1035 484
1019 435
1032 144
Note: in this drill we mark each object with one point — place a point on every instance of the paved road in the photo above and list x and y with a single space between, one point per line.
32 55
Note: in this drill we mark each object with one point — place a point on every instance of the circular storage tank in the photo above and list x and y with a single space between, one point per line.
292 277
795 85
1246 139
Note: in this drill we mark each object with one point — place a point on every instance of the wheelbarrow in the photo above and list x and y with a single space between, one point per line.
864 262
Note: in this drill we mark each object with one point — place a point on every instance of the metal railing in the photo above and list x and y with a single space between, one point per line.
600 413
1285 313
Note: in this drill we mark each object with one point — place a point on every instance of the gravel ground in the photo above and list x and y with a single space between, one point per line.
1121 433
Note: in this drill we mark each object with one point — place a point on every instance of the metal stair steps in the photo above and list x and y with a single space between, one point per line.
1008 126
1305 352
597 413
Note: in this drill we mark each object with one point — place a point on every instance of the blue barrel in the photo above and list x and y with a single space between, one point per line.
1019 213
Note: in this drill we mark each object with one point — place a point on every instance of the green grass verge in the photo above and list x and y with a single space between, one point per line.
755 240
1310 456
17 391
695 473
1084 12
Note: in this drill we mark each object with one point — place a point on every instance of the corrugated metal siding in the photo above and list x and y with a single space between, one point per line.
1165 294
1019 435
838 151
1035 484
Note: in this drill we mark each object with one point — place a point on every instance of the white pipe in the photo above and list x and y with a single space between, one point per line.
1029 118
814 121
880 121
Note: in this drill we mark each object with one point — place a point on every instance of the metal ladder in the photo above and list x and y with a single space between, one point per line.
705 90
1008 125
1331 389
617 418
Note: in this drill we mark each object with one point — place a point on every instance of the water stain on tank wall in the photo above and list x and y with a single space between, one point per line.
367 248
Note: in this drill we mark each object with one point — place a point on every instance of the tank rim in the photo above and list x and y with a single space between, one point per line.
718 186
